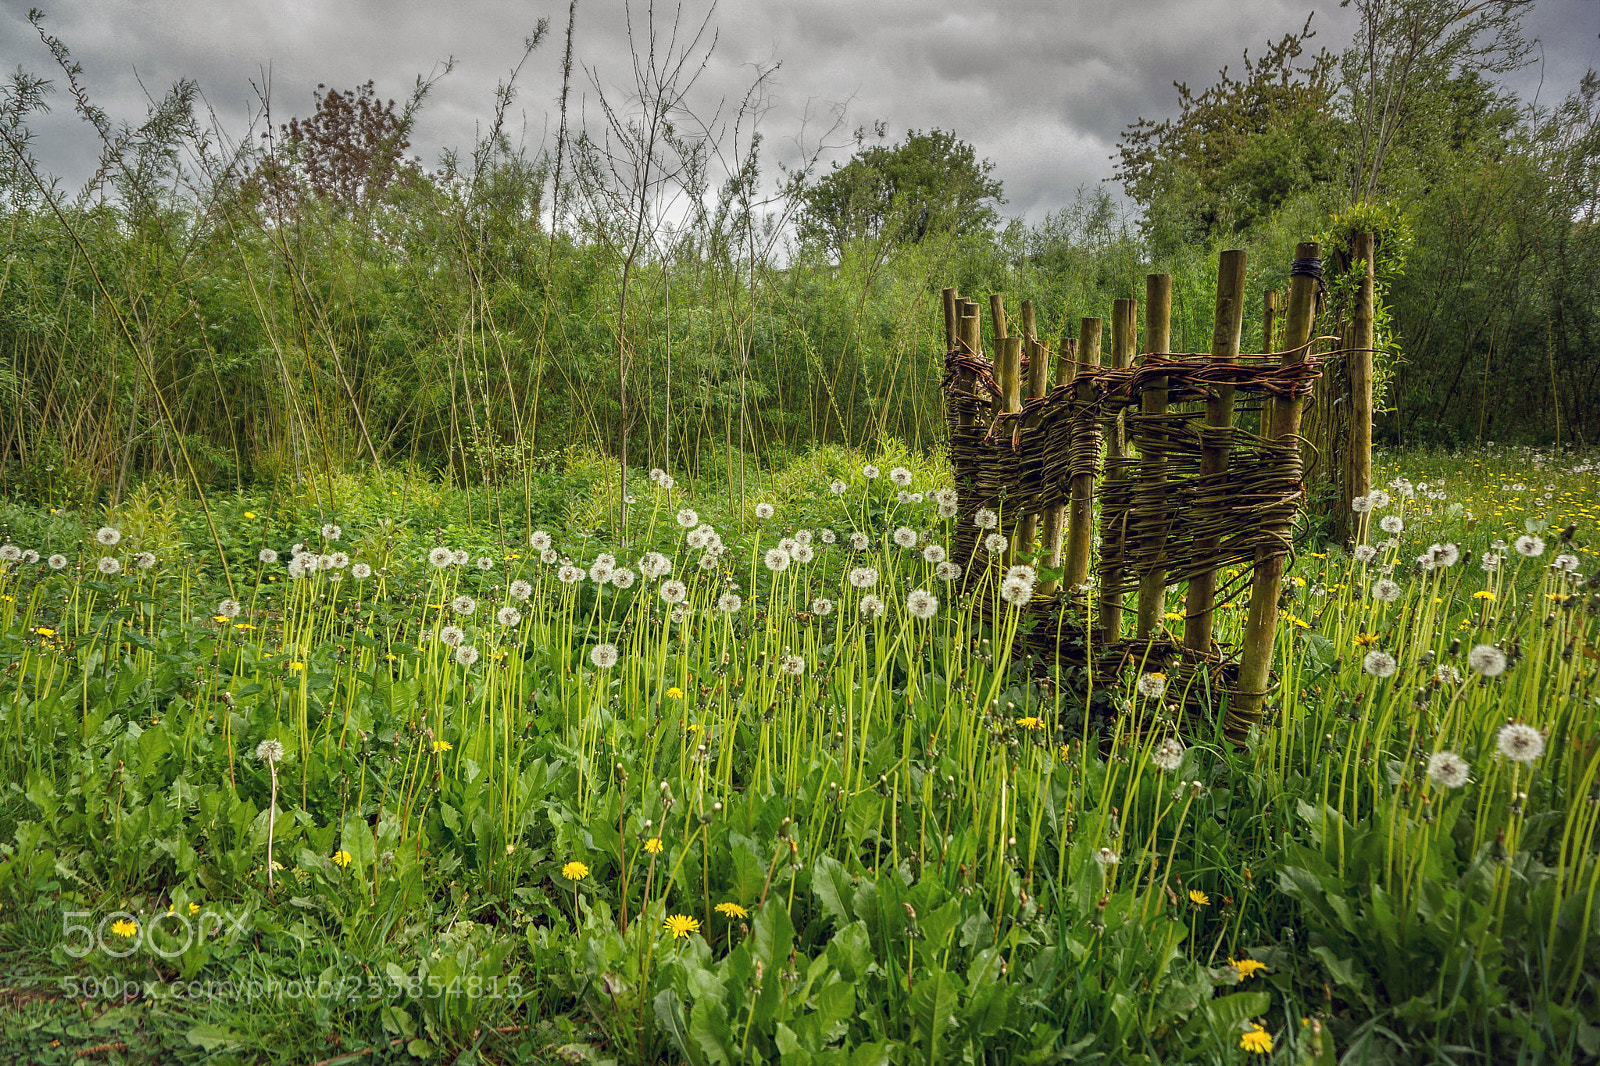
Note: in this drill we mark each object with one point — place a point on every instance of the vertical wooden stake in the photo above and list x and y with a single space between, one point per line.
1363 334
1269 323
1123 341
997 325
1225 332
950 298
1038 384
1261 626
1055 519
1153 402
1080 507
968 333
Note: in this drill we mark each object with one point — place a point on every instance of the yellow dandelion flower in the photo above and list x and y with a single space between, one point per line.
574 871
732 910
123 927
441 746
1247 967
45 632
1257 1040
696 727
1064 751
221 619
653 845
1365 640
194 908
297 667
249 514
1199 898
1483 594
681 925
342 858
674 693
1029 723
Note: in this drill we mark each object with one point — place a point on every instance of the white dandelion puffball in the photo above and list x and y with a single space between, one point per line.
1106 857
228 608
802 553
1426 560
1361 504
678 614
108 536
604 656
297 568
1529 545
654 565
666 481
622 578
869 472
1168 755
900 476
1022 572
821 606
1447 675
441 557
863 577
922 604
1520 743
338 561
466 655
792 665
946 497
452 636
267 555
1567 563
947 510
827 536
361 571
788 544
777 560
1446 554
460 557
1151 686
539 540
269 751
729 602
108 565
10 553
985 518
764 511
485 563
698 537
1391 523
569 575
837 488
327 562
688 519
521 590
933 553
463 604
709 561
1379 663
1365 553
860 541
802 536
947 571
1446 769
1488 660
601 571
995 543
57 561
331 531
906 537
548 556
1016 592
309 563
674 591
508 616
143 560
1386 591
1379 499
871 606
902 496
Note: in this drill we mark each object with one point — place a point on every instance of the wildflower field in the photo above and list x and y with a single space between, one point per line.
385 771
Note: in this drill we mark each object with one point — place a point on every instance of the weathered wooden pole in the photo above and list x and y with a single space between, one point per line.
1124 339
967 335
1261 625
950 297
1038 378
1225 332
1080 504
1153 402
1358 480
1269 324
1055 519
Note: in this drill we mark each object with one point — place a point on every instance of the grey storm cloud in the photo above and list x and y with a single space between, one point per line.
1043 89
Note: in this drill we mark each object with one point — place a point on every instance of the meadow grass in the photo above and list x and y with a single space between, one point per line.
407 777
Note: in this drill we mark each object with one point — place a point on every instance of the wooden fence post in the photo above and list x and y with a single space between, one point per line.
1080 510
1124 330
950 298
1055 519
1261 626
1358 480
1038 385
1153 402
1225 332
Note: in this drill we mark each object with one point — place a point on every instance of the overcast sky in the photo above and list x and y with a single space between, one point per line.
1041 88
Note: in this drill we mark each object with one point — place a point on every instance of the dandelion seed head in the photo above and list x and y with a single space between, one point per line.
994 543
270 751
1151 686
906 537
1379 663
1365 553
1529 545
539 540
144 560
1520 743
508 616
1385 591
947 571
859 541
821 606
1488 660
1168 755
604 656
463 604
108 536
687 518
1446 769
57 561
452 636
1015 591
863 577
985 518
933 553
108 565
900 476
466 655
777 560
869 472
441 557
871 606
729 602
922 604
521 590
764 511
622 578
674 591
1391 523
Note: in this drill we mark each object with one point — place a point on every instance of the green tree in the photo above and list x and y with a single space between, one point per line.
931 183
1237 150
